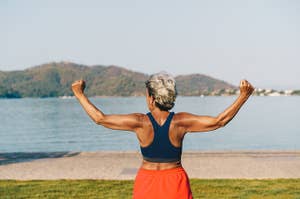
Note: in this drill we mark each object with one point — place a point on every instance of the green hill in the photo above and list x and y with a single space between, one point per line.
55 79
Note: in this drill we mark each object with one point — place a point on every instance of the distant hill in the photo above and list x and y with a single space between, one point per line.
198 84
55 79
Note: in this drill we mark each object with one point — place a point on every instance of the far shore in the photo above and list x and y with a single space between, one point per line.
141 96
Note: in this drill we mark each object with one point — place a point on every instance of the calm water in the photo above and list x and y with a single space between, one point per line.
43 125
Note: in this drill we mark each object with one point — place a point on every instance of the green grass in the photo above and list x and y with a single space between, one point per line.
214 189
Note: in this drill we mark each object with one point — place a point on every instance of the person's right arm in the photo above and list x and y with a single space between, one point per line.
127 122
196 123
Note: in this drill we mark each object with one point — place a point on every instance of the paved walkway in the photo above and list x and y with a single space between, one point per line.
124 165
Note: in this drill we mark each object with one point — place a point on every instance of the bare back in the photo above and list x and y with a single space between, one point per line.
146 134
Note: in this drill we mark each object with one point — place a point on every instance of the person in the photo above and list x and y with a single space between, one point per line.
160 134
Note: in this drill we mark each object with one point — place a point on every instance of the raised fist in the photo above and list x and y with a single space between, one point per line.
78 87
246 88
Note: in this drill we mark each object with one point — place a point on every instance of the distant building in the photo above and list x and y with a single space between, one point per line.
274 94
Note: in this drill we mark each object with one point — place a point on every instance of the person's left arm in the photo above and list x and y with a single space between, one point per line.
197 123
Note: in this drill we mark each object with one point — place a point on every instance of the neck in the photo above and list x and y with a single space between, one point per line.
157 111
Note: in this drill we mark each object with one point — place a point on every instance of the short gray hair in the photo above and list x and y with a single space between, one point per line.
162 87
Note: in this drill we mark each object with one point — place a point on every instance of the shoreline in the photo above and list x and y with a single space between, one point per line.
141 96
121 165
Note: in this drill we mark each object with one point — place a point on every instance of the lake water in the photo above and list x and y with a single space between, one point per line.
53 124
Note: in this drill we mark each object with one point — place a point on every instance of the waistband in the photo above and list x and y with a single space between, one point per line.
164 171
162 160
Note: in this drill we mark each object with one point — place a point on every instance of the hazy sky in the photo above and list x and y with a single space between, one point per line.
256 39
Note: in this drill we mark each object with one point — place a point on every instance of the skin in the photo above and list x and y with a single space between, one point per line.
181 123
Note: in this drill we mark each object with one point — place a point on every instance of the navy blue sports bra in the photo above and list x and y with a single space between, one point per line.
161 148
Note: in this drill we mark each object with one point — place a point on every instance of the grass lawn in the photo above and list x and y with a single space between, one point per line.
214 189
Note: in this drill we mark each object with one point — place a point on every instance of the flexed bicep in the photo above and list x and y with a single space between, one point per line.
126 122
197 123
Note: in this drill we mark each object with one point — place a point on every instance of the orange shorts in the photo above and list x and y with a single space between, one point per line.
162 184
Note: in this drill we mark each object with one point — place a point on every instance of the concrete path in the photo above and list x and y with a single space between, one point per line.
124 165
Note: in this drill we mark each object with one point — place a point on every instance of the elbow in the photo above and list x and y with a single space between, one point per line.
220 123
99 120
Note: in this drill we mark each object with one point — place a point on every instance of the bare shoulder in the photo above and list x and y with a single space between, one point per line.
138 116
183 116
143 123
185 119
141 118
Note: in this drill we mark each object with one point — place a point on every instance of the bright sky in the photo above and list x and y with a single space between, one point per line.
233 39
